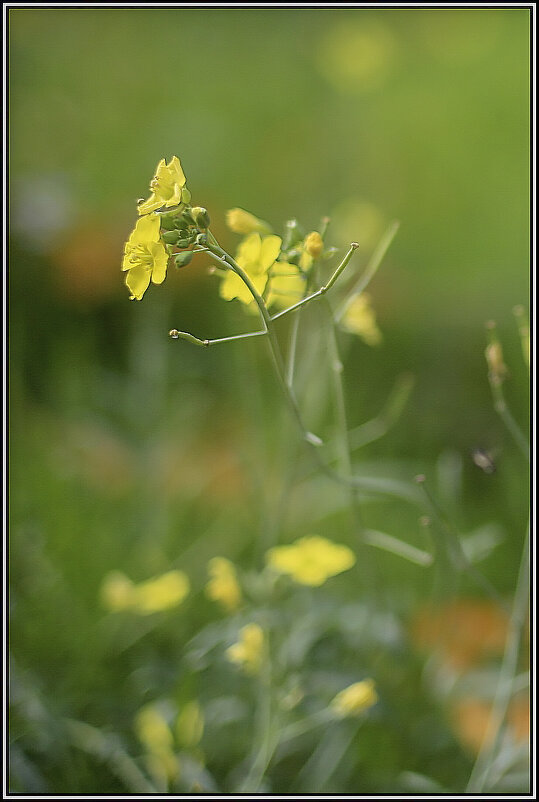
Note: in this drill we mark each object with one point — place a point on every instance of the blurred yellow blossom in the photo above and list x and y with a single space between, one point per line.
248 652
241 222
311 560
117 591
359 318
161 593
152 729
255 255
145 257
166 186
286 285
156 736
355 699
154 595
189 725
223 585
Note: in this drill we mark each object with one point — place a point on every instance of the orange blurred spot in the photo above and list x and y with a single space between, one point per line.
465 631
88 264
470 718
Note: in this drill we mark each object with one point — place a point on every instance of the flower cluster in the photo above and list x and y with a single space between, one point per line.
154 595
167 226
280 271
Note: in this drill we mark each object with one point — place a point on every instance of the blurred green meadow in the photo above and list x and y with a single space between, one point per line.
132 453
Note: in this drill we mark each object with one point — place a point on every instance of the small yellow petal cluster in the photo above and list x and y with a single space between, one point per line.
311 560
248 652
356 699
166 186
154 595
223 585
156 736
241 222
145 257
359 318
255 256
189 725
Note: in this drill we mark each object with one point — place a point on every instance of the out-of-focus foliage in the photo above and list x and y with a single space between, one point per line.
135 461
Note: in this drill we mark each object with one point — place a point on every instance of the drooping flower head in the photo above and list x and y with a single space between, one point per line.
311 560
166 186
145 258
255 255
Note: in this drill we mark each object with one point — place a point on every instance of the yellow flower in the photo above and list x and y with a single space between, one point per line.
311 560
164 592
166 186
248 652
359 318
286 285
152 729
161 593
117 591
189 725
223 586
154 733
255 255
145 257
354 700
242 222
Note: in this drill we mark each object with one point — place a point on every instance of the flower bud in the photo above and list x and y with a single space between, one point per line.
170 237
184 242
168 222
241 222
186 195
201 239
200 216
187 218
314 244
183 259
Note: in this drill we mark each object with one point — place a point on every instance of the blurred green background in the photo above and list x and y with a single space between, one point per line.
132 452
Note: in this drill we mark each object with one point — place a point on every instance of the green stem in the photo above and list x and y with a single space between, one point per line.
505 687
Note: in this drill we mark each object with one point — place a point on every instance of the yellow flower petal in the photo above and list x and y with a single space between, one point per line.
232 286
160 262
286 287
249 251
137 280
270 250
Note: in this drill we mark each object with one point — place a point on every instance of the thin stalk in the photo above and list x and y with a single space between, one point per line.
480 773
373 265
